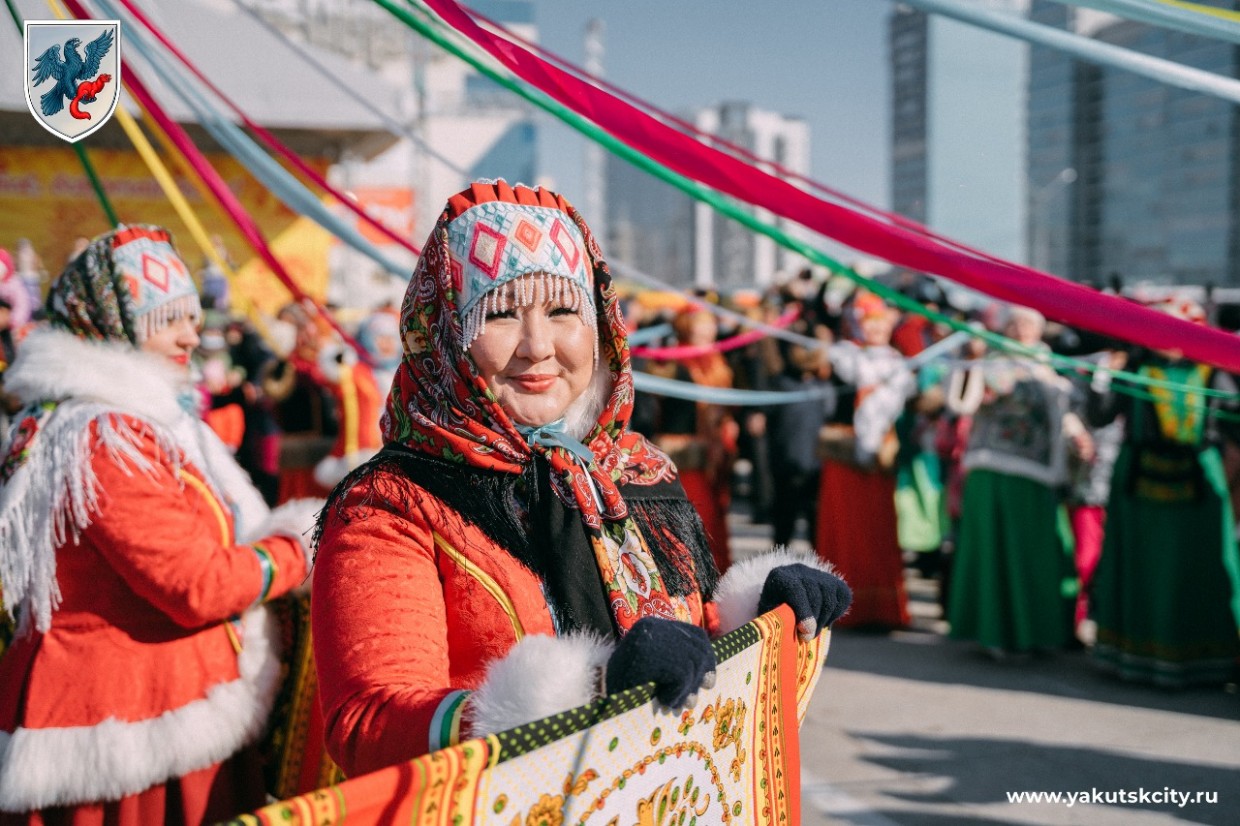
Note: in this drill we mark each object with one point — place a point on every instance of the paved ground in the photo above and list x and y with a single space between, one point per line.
914 729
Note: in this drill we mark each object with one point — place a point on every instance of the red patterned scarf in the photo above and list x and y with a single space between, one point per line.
441 406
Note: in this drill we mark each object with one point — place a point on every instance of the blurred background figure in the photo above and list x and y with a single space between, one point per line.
302 404
700 437
856 528
1013 561
13 291
1165 593
792 435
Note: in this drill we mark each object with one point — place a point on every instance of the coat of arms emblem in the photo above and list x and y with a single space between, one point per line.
73 74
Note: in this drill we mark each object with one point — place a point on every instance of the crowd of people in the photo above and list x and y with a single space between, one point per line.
495 526
498 546
1054 506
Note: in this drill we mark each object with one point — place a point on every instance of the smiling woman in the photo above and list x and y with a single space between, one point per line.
136 557
515 549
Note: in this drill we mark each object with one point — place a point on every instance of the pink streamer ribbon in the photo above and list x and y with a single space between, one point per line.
1069 303
244 221
268 138
734 148
688 351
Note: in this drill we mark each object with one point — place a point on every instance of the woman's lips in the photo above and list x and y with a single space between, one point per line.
532 383
182 359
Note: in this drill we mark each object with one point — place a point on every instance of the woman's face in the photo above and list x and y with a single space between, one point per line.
175 342
876 329
1026 330
537 359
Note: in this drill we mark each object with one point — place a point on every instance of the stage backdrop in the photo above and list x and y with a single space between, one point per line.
733 759
46 197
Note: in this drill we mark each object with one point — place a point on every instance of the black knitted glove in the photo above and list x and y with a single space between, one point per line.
816 597
675 656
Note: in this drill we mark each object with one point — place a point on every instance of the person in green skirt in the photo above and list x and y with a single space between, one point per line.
1166 594
1013 577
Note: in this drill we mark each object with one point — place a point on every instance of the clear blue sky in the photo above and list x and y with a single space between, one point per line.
821 60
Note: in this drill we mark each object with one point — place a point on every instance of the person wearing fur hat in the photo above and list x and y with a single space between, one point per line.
136 558
1166 591
515 549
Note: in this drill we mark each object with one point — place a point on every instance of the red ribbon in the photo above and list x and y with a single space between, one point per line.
1069 303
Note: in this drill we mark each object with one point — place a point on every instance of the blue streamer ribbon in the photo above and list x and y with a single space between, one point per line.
1085 48
273 176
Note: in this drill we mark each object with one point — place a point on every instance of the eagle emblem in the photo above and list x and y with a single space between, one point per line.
72 74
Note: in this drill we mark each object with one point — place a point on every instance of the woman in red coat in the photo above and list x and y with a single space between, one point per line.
515 549
135 555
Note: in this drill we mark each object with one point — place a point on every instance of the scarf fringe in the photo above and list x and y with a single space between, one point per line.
152 321
53 496
491 502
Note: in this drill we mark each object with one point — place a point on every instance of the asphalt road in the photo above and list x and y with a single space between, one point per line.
914 729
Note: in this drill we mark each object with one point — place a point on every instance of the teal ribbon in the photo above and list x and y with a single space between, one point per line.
554 434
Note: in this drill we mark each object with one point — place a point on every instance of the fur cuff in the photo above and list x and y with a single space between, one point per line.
295 519
737 594
540 676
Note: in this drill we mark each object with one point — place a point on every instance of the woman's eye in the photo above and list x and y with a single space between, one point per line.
501 314
563 311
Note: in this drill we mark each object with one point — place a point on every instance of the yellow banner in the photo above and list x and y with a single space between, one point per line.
46 198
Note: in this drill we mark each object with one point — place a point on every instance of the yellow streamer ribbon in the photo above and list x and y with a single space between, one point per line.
173 193
1223 14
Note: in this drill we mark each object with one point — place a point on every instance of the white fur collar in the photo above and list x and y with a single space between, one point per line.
54 364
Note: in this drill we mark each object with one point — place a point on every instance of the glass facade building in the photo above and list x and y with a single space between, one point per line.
1156 191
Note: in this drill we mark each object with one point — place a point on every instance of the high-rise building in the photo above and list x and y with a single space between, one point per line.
958 100
663 232
1156 192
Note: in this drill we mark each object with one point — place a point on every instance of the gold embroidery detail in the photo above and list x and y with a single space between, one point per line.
486 580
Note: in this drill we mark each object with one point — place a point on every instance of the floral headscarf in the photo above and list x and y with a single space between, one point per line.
441 406
126 285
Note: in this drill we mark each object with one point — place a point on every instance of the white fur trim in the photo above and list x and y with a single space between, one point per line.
294 519
738 591
331 469
334 355
79 764
540 676
53 364
53 496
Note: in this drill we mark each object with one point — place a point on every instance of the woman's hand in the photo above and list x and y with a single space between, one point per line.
675 656
816 597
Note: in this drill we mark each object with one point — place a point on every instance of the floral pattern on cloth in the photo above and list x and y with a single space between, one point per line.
441 406
22 437
732 760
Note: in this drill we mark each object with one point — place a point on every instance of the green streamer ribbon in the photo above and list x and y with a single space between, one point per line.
89 168
431 27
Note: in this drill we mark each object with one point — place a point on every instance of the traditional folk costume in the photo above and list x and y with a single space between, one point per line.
856 528
359 404
701 440
473 575
143 669
1166 592
1013 577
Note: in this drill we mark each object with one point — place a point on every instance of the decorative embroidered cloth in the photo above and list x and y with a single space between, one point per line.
734 759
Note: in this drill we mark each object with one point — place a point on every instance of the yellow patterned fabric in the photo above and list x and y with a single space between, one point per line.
295 760
734 759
